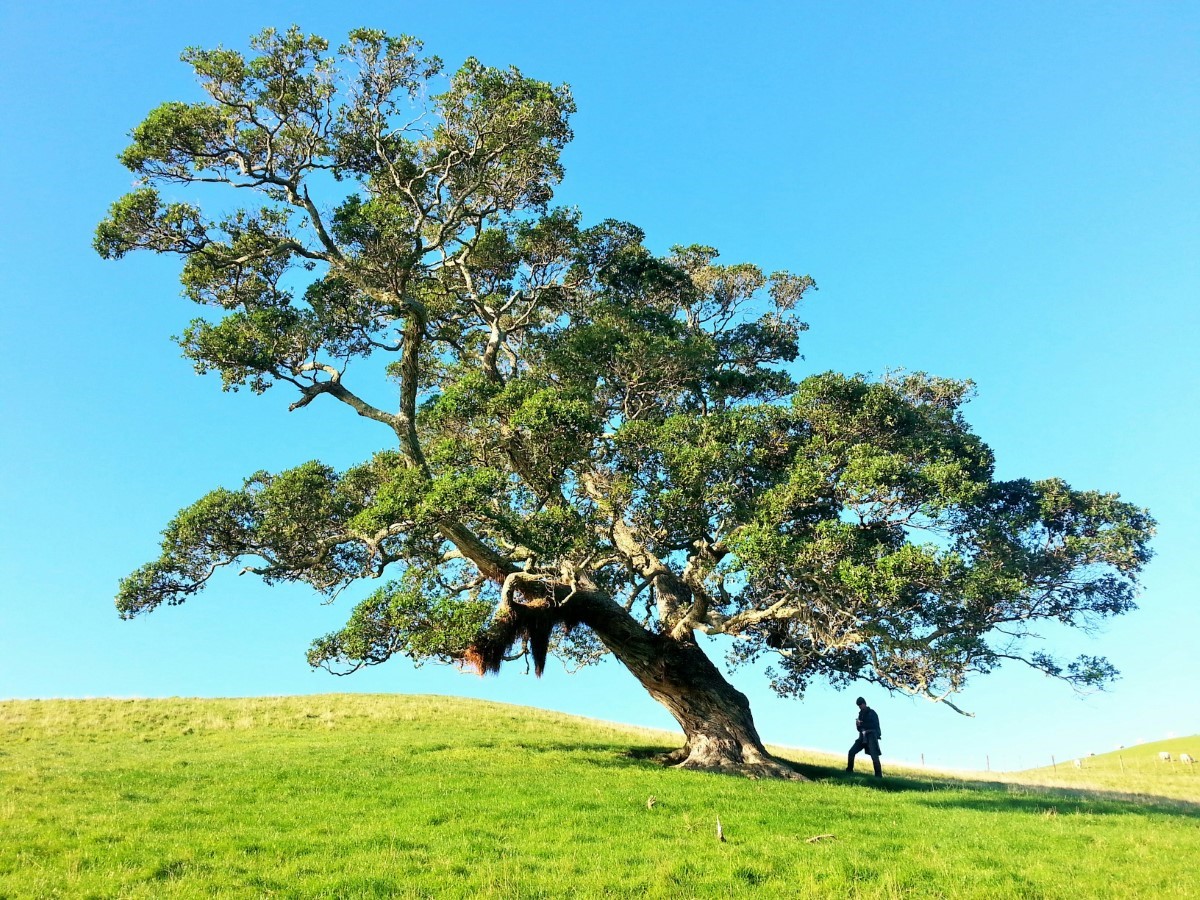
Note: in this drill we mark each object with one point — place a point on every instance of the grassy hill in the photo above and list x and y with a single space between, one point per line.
380 796
1136 770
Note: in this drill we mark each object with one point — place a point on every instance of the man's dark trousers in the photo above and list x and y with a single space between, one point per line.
867 740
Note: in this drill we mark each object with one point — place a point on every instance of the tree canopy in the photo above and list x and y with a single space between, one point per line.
594 448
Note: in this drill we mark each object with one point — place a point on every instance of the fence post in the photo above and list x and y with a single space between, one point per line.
1053 763
989 761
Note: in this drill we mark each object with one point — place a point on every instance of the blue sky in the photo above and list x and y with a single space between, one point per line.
1007 193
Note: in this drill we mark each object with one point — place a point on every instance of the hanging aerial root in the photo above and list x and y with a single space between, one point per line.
519 623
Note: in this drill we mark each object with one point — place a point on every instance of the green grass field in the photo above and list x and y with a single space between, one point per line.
1133 770
380 796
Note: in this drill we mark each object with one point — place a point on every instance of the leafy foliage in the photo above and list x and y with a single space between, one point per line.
587 433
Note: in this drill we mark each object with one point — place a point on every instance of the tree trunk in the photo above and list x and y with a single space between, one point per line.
715 716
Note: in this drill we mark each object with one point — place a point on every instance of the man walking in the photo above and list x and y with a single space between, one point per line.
869 734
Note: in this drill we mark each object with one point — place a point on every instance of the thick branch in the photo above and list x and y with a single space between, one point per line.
335 387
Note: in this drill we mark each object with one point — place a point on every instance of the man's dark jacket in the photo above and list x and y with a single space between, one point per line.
868 720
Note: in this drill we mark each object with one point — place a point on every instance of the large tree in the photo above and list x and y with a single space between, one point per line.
592 449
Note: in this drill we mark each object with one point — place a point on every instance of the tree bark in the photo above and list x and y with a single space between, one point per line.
715 716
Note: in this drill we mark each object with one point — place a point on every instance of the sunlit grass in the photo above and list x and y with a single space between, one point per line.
372 796
1133 770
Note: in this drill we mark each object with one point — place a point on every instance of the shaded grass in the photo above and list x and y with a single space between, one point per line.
371 796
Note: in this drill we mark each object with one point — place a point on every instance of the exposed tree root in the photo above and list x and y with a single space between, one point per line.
752 764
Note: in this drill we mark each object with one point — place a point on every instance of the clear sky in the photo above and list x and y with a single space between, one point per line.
1009 193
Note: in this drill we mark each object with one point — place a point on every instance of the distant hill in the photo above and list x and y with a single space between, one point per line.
1139 753
1134 770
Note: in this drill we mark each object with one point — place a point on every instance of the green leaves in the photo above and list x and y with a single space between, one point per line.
882 547
371 134
244 271
572 408
1077 552
276 106
297 525
176 139
897 444
141 221
555 428
696 476
415 617
248 348
500 136
206 535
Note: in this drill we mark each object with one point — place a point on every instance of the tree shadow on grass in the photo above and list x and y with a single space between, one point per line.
653 756
982 795
1054 801
994 796
644 754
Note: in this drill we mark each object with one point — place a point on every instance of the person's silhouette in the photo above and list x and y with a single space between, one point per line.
869 734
